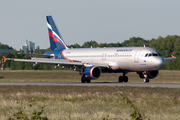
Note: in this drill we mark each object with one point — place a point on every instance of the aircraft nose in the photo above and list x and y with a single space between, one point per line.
160 63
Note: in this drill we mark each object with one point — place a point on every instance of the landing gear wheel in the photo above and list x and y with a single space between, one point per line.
88 80
121 79
146 80
83 80
125 79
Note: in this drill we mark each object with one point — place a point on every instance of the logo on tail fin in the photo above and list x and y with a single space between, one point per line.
56 40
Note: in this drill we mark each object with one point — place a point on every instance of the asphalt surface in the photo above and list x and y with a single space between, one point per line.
167 85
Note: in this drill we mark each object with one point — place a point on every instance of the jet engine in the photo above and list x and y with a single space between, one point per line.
151 74
91 72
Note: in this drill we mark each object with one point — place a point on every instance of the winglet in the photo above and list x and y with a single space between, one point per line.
4 59
172 57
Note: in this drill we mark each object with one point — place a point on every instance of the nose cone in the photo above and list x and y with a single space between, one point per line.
160 62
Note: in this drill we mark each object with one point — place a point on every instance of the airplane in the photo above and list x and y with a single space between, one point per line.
91 62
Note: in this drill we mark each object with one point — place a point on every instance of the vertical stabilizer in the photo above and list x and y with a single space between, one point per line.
56 40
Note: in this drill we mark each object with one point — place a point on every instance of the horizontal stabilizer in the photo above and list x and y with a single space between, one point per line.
170 58
36 54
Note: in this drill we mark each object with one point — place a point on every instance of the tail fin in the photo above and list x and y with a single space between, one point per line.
56 40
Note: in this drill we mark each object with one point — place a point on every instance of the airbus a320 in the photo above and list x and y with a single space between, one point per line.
91 62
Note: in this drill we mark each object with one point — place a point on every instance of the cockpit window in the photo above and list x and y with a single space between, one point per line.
150 54
154 54
158 53
146 55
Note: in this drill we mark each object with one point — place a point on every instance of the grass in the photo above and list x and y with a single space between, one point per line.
91 103
73 76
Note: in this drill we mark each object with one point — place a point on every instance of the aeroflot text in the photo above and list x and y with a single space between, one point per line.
124 50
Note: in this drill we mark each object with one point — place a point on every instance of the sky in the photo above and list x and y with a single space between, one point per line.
79 21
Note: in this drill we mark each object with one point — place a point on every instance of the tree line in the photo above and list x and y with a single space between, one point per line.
167 46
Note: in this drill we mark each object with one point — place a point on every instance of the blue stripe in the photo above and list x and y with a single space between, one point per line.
49 30
54 35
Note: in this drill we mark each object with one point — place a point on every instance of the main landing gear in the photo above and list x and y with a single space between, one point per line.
123 78
85 80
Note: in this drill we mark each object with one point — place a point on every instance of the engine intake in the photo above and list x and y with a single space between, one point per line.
151 74
91 72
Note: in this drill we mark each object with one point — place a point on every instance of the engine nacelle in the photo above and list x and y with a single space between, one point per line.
91 72
151 74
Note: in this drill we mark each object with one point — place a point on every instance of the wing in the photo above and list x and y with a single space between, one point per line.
170 58
60 62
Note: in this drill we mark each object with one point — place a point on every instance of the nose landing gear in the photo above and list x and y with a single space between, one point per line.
146 79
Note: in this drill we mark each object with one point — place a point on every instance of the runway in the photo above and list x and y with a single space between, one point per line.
165 85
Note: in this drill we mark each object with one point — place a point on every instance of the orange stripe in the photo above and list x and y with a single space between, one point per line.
66 57
90 72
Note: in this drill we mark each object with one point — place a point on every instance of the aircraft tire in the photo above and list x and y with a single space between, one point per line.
146 80
125 79
88 80
83 80
121 79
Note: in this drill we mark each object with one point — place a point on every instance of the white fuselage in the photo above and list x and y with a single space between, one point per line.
119 58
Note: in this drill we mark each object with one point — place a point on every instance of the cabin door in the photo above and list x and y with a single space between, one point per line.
136 57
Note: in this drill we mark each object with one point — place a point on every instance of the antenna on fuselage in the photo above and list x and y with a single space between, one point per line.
144 45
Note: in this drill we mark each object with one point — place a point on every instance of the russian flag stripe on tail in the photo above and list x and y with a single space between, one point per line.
56 40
